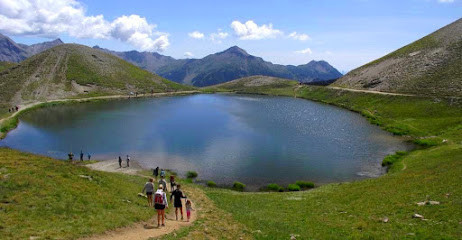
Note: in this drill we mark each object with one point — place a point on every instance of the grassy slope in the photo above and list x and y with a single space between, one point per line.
354 210
6 65
49 75
44 197
435 71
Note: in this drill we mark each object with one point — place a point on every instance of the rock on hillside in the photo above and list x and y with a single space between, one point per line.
430 66
71 70
10 51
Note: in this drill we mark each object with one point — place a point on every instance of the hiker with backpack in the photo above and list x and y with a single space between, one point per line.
160 203
178 195
149 188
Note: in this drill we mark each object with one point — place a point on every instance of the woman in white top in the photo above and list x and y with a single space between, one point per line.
160 203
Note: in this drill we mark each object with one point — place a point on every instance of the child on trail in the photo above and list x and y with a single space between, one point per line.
178 194
172 183
162 173
160 203
188 209
120 162
149 188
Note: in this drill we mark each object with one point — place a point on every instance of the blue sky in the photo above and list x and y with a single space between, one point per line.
347 34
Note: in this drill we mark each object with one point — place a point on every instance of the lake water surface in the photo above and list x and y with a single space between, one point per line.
253 139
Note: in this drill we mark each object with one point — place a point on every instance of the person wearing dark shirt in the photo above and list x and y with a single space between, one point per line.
178 195
81 155
120 162
156 173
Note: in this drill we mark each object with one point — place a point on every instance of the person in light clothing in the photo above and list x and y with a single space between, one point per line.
160 203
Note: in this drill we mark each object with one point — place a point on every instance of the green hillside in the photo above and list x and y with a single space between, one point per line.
430 66
71 70
357 210
256 84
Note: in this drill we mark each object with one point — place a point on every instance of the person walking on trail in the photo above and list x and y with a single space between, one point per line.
149 188
178 195
163 183
160 203
120 162
81 155
162 173
156 172
128 161
71 156
172 183
188 209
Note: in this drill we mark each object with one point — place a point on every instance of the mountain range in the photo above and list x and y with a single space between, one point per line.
430 66
224 66
10 51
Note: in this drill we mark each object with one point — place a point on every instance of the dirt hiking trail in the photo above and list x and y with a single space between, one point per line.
141 230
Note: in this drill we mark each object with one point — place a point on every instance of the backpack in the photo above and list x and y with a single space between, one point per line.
159 198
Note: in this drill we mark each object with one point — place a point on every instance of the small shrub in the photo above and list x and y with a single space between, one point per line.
305 184
211 184
293 187
274 187
428 142
238 186
191 174
393 158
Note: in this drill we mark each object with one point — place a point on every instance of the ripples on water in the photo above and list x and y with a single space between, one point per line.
253 139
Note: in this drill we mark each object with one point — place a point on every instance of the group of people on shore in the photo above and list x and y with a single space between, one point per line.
13 109
71 156
158 199
127 160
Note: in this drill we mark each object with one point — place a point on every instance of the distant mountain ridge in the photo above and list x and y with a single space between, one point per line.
10 51
430 66
224 66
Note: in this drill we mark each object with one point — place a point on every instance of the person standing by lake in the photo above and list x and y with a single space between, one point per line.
156 172
160 203
71 156
178 195
81 155
120 162
149 188
89 156
128 161
162 173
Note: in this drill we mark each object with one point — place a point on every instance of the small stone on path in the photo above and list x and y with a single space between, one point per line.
417 216
385 220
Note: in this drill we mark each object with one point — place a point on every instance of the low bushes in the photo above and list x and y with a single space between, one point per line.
305 184
428 142
274 187
211 184
393 158
293 187
191 174
238 186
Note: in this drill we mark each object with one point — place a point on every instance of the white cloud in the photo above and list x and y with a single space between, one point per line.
196 35
446 1
218 36
304 51
54 17
300 37
188 54
251 31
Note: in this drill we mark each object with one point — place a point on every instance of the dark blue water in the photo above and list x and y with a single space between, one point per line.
252 139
